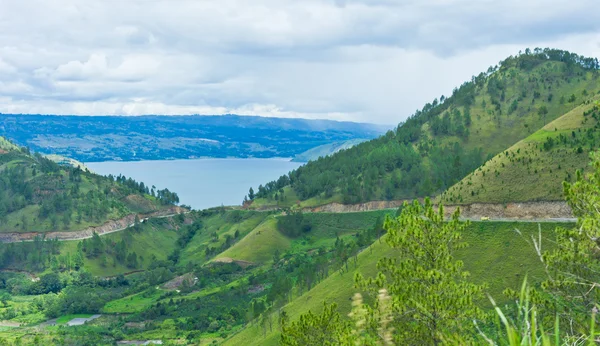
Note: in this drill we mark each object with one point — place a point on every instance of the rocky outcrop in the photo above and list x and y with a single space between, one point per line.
352 208
106 228
517 211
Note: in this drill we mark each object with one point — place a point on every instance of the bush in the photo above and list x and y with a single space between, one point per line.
293 224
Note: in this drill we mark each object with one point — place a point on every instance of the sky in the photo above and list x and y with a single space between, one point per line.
358 60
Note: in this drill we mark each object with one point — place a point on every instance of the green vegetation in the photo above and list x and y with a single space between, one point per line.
7 145
38 195
221 230
293 277
450 137
534 168
567 297
135 303
499 254
66 318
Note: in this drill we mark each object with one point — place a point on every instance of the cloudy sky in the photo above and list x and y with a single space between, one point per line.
360 60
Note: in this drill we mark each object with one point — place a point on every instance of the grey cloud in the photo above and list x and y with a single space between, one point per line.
367 60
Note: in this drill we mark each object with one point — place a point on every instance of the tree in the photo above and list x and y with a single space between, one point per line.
423 295
542 112
367 326
251 194
78 260
50 283
132 260
324 329
431 295
293 224
574 264
4 298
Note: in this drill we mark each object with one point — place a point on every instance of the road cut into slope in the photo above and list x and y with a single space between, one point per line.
106 228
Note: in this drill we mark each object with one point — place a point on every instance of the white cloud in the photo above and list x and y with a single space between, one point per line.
363 60
97 67
6 68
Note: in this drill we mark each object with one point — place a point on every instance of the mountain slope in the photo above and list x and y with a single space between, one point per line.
448 139
533 169
38 195
488 259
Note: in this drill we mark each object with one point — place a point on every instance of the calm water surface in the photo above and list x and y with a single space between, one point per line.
201 183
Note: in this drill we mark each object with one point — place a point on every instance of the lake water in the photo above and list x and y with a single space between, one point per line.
201 183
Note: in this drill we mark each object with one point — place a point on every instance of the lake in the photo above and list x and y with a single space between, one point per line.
201 183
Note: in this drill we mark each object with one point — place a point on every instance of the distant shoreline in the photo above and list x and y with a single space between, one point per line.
208 158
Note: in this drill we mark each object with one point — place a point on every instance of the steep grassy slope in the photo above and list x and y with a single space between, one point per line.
497 255
260 245
448 139
153 241
38 195
534 168
217 229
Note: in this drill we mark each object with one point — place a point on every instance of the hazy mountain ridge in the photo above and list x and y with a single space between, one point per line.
107 138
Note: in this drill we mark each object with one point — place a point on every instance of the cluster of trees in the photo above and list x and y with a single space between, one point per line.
164 195
228 241
37 180
218 312
97 247
271 190
187 233
293 224
33 256
453 123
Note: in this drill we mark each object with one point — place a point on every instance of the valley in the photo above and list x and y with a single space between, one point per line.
262 249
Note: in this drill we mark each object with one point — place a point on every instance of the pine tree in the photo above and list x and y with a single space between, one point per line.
423 297
574 264
431 295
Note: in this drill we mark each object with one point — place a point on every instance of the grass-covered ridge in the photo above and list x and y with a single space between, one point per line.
533 169
448 138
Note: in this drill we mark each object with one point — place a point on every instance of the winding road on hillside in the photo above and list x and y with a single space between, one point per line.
109 227
542 211
535 212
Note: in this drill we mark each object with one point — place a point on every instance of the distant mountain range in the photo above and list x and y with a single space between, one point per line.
153 137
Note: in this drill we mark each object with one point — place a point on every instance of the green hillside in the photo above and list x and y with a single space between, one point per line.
533 169
39 195
227 275
265 240
220 231
497 255
450 137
